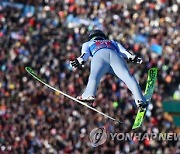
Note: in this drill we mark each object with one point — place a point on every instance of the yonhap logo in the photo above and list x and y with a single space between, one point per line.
98 136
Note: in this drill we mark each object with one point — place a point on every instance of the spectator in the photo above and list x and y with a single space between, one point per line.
34 119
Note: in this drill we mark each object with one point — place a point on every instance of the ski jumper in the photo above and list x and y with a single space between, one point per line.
108 57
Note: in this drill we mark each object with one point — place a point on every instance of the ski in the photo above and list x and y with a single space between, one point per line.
150 86
31 72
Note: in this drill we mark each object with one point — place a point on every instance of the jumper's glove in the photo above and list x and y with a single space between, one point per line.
136 59
78 62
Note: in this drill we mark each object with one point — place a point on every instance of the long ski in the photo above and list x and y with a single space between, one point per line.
31 72
150 86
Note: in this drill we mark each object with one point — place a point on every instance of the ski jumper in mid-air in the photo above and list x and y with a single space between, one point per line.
107 57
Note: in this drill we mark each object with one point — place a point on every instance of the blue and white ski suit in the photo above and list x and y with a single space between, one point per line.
108 57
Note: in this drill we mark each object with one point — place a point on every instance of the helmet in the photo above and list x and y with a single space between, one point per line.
97 35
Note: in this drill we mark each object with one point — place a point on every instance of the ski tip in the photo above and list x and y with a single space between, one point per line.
153 69
29 70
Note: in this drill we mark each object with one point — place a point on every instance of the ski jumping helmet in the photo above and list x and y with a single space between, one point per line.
97 35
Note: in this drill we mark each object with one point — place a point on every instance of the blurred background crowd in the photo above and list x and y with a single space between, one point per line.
45 35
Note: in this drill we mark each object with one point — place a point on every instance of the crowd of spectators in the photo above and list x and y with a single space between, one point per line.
35 119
